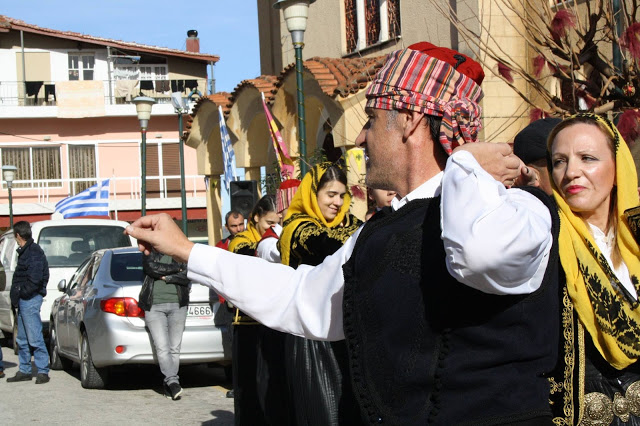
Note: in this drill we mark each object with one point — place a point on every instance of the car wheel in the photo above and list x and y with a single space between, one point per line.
57 362
90 376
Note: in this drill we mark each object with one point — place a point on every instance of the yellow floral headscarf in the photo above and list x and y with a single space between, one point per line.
610 318
250 238
304 207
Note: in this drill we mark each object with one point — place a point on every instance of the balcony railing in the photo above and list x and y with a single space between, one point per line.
43 93
48 190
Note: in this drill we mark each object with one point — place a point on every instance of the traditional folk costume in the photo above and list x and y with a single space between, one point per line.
317 372
598 380
245 242
246 335
448 300
273 392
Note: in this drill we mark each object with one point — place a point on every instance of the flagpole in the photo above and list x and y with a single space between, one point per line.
115 203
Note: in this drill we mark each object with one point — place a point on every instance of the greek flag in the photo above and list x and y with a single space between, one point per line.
92 201
228 156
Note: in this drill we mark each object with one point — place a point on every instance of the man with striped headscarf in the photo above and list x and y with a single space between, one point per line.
448 299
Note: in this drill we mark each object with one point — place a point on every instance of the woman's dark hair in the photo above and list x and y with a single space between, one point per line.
264 205
332 173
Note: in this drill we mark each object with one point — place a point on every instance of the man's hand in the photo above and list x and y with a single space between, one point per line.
162 234
497 159
529 176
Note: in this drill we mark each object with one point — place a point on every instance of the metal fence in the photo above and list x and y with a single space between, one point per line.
166 187
43 93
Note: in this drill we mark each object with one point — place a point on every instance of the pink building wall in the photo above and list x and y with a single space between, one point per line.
117 149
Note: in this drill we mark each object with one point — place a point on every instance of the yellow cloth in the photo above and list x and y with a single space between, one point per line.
304 207
250 238
611 319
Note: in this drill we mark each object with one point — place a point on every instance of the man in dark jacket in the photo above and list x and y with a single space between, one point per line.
28 288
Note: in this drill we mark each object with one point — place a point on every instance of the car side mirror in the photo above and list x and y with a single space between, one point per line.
62 285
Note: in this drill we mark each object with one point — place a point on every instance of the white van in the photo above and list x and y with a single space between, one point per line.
66 243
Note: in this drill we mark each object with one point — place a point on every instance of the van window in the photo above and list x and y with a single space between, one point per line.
69 245
8 248
127 267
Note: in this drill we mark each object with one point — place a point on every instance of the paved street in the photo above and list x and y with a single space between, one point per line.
134 397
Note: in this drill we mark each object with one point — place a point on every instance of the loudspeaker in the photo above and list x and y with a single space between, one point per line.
244 195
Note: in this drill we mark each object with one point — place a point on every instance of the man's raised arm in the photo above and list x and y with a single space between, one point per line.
306 301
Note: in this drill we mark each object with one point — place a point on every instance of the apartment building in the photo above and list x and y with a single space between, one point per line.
67 121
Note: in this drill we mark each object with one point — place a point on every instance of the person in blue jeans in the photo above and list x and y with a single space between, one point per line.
28 288
164 297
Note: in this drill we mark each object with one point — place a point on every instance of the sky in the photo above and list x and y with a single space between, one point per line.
227 28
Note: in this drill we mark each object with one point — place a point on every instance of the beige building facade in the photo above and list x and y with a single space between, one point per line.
345 44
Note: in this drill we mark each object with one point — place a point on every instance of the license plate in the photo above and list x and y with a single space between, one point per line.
199 311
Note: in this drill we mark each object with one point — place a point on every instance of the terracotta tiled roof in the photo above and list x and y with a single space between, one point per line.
335 77
16 24
339 76
222 99
265 84
4 24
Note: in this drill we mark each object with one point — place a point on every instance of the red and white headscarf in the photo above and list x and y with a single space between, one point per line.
429 83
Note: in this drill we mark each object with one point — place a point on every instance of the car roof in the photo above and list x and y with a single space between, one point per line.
68 222
36 226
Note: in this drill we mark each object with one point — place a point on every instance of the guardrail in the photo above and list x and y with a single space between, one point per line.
165 187
43 93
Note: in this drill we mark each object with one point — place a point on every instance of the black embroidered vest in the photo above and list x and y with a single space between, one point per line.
426 349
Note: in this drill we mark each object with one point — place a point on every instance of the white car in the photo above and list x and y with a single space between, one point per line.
97 321
66 243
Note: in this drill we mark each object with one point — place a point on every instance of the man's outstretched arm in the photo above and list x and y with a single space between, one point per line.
306 301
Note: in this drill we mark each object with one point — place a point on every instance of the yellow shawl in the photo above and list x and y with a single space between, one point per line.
304 207
611 319
250 238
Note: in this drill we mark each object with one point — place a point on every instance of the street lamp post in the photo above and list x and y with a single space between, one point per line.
9 173
143 109
295 15
180 107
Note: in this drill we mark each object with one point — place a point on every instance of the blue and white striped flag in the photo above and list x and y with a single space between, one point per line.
228 156
93 201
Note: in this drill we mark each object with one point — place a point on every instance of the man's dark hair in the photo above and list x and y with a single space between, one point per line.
232 213
434 126
22 228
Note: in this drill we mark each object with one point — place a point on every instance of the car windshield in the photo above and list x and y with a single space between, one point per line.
127 267
69 245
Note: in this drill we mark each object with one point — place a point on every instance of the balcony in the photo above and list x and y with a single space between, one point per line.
115 92
163 192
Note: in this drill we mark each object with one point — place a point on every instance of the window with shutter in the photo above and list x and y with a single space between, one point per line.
171 167
82 161
41 164
369 22
153 171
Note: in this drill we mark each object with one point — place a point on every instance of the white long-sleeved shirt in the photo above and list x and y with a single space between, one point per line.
606 244
267 248
496 240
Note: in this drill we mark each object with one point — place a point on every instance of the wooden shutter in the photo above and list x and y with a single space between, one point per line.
171 167
153 172
351 22
82 165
